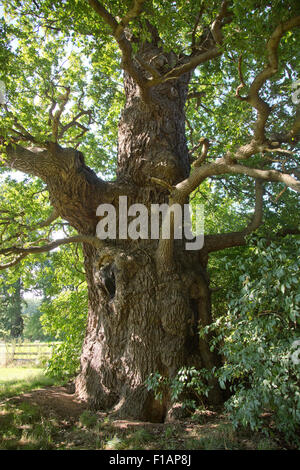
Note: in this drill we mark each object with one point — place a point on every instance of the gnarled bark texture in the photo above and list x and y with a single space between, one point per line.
143 319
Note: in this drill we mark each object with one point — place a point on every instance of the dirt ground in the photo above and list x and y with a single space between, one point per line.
53 402
208 431
61 403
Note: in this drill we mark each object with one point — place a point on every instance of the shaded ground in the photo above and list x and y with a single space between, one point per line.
53 418
53 402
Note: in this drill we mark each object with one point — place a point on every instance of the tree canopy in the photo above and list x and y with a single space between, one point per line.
62 70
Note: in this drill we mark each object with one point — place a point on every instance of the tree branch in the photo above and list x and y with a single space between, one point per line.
21 133
253 98
27 161
193 44
15 250
288 231
242 83
75 122
220 167
108 18
182 190
162 183
12 263
205 55
221 241
52 245
45 223
56 117
205 146
135 10
118 32
216 28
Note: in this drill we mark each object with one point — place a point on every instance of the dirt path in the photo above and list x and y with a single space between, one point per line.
57 401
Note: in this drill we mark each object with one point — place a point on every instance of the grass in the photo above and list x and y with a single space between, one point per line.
15 380
24 425
21 425
10 374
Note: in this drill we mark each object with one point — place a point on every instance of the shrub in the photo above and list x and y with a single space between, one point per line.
258 336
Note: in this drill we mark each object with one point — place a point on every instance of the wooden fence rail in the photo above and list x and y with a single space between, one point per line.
25 352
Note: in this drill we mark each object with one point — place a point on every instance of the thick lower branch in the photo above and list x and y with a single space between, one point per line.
30 162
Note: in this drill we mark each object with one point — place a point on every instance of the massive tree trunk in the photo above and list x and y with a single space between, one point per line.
148 324
143 317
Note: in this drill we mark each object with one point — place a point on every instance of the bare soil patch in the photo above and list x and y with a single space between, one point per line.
53 401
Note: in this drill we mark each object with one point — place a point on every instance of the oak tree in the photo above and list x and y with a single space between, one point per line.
150 100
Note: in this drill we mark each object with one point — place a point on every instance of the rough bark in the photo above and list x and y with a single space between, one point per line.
152 136
143 319
148 323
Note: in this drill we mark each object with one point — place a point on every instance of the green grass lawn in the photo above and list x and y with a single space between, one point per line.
15 380
12 374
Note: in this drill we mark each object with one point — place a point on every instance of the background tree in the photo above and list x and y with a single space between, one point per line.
11 302
64 308
32 325
214 68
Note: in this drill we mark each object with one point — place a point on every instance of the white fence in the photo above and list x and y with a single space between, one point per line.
15 352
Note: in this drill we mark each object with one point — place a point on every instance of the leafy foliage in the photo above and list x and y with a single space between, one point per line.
64 310
65 317
256 337
189 386
33 330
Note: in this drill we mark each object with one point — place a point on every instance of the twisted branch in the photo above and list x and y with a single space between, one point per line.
25 251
